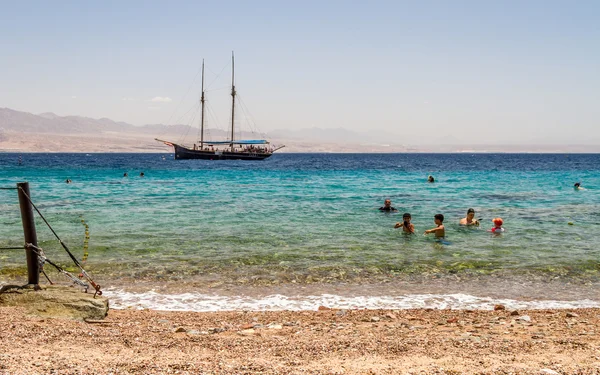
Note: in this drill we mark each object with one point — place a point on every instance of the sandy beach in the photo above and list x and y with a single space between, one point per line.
306 342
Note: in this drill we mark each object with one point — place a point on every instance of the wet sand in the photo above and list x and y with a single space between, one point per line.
309 342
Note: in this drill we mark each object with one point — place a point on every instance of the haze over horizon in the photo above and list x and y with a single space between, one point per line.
504 73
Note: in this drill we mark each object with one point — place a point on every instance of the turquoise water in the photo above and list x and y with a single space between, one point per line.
306 218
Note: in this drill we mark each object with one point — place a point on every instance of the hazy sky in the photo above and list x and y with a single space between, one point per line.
472 71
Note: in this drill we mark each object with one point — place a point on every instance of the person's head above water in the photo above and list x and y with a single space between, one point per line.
470 214
430 179
125 174
387 203
498 222
577 184
439 219
406 217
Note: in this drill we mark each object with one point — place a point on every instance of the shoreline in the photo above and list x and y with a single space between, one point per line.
436 292
315 342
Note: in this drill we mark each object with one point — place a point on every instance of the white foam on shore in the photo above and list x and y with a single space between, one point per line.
120 299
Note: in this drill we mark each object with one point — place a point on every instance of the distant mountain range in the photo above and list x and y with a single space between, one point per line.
22 131
50 123
48 132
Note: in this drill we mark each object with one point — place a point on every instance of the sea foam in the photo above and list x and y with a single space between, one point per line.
210 303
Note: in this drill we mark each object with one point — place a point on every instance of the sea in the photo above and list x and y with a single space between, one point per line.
299 231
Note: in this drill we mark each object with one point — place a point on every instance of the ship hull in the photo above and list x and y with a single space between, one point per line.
184 153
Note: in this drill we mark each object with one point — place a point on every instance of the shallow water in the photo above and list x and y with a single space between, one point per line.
308 219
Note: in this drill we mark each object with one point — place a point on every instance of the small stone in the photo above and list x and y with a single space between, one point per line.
390 316
341 312
248 326
514 312
193 332
217 330
547 371
524 318
164 321
274 326
180 329
572 315
246 332
375 319
452 320
323 308
499 307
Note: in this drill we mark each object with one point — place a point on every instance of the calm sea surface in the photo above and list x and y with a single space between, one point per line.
308 224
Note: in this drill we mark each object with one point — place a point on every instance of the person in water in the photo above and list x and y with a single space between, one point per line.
430 179
125 174
141 174
497 229
406 225
439 230
577 186
68 181
387 206
470 219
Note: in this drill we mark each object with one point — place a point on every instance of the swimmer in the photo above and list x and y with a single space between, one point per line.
125 174
469 220
406 225
497 229
440 231
577 186
68 181
387 206
430 179
141 174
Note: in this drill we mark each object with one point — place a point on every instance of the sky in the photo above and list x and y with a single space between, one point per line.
473 72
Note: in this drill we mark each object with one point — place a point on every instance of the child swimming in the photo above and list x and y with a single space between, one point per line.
440 231
406 225
497 229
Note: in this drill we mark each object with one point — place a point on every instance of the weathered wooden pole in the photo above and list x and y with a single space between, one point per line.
33 266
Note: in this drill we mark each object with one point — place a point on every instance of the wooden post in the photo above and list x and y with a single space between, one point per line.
33 266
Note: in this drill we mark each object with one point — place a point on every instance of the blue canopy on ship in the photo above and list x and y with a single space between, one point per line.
248 142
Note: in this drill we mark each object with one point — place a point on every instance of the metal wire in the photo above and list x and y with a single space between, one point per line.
12 248
64 246
40 253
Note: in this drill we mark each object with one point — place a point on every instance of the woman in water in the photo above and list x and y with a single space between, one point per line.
469 220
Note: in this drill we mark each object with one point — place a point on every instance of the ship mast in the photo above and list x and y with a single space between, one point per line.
202 117
232 98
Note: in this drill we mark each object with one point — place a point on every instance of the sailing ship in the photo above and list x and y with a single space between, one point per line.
232 149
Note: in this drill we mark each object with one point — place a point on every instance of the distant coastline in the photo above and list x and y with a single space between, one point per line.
47 132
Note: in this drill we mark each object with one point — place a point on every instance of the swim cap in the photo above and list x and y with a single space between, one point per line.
497 221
